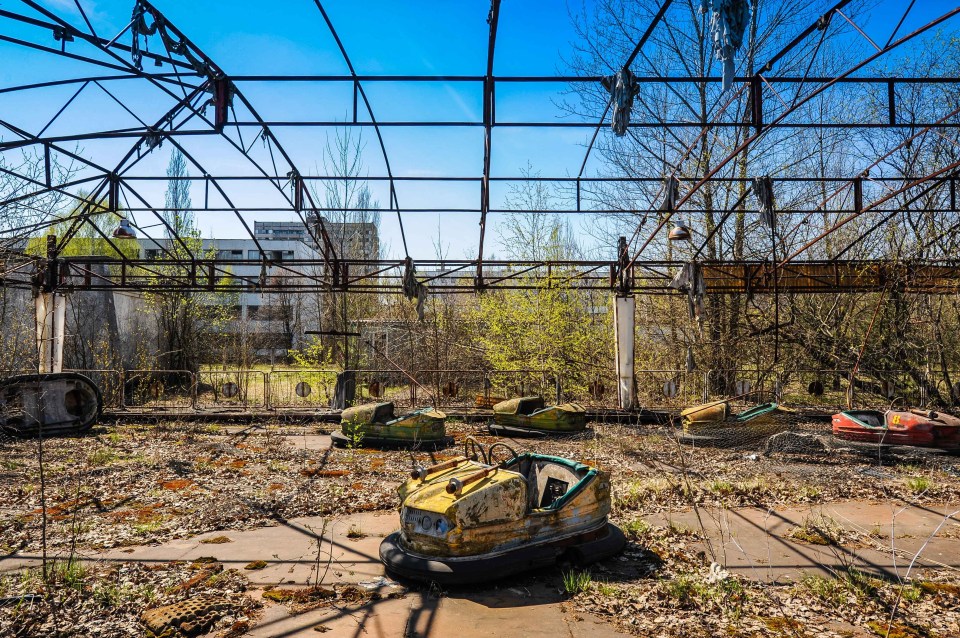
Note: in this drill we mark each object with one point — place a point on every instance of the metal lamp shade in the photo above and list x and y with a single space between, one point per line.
125 230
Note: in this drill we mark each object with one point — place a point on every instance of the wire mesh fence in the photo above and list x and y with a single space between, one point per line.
156 390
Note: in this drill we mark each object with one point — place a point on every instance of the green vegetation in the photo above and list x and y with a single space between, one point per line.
637 527
101 457
919 484
576 581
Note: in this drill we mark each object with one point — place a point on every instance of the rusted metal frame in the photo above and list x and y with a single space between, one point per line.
121 104
517 274
883 199
330 249
83 14
704 130
759 127
822 22
775 92
62 109
723 219
395 204
556 124
74 56
80 269
900 24
184 101
46 189
806 73
859 30
752 138
893 214
250 108
489 117
26 135
426 124
565 179
626 65
794 269
581 274
852 181
166 118
448 273
371 275
583 79
552 211
100 43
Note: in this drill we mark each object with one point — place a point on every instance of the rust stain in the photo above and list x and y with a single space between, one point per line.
176 484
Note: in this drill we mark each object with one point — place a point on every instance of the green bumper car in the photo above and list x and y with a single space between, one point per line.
376 425
528 416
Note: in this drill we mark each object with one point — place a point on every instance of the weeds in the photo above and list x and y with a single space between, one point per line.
355 532
70 573
148 527
820 530
919 484
101 457
576 582
637 527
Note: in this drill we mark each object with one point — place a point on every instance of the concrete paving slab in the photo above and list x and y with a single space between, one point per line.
883 538
479 614
290 551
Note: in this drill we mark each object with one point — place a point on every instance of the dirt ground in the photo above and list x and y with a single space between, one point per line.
145 484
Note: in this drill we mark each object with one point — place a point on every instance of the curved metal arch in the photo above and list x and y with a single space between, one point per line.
394 203
216 72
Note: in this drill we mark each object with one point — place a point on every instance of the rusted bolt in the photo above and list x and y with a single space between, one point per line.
455 486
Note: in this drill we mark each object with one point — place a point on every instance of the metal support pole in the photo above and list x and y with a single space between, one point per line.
50 307
624 319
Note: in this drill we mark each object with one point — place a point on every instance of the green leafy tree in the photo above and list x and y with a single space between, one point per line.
546 327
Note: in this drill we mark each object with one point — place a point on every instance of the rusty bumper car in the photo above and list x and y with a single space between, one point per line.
375 425
715 420
59 404
473 520
922 428
529 416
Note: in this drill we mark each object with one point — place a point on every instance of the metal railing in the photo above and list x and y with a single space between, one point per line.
160 390
231 389
313 389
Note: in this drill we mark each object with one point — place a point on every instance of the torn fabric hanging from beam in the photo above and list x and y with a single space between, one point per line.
763 189
623 87
413 288
728 22
671 193
690 280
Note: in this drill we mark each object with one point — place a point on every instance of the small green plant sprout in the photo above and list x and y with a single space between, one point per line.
919 484
353 430
637 527
576 582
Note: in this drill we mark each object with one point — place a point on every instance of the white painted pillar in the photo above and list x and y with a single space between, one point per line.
624 322
51 314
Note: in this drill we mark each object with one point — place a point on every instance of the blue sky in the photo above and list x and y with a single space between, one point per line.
290 37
